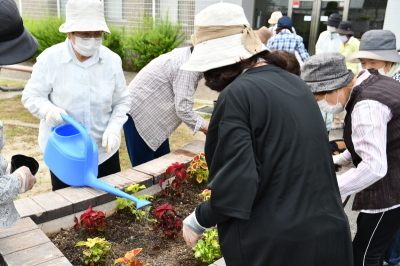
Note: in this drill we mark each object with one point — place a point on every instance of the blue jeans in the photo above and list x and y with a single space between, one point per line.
138 150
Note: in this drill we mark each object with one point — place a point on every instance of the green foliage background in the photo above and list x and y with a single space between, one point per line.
136 45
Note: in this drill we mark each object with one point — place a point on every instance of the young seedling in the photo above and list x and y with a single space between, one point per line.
198 168
98 249
208 249
91 221
174 188
129 258
167 221
123 203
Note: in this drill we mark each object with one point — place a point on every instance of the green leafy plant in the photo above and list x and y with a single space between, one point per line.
167 220
123 203
198 168
208 249
46 32
91 221
129 258
174 188
98 249
115 40
206 194
150 39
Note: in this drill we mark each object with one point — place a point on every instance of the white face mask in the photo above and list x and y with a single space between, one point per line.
343 38
333 109
330 29
87 47
382 70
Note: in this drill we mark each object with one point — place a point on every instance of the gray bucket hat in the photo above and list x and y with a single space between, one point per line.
376 44
326 72
16 43
345 28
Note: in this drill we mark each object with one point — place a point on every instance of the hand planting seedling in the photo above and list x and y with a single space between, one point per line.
208 249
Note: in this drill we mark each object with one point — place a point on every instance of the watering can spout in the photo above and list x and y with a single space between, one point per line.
96 183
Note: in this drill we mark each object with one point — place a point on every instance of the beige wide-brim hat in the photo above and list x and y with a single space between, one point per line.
84 15
378 45
223 51
275 16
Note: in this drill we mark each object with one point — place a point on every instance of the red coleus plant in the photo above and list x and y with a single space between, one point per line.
167 221
129 258
91 221
174 188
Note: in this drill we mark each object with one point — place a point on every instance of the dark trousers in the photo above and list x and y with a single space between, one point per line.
374 233
108 167
138 150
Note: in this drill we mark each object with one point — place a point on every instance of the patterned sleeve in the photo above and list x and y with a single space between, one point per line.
302 50
397 76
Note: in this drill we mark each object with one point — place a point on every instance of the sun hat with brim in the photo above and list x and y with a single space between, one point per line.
16 43
378 45
334 20
326 72
264 33
85 15
345 28
275 16
222 37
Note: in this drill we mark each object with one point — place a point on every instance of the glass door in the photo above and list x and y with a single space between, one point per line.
309 16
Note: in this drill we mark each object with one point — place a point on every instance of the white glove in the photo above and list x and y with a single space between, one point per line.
111 140
26 178
340 160
8 170
192 230
53 117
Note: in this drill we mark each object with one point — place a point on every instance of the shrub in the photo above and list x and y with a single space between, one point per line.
150 40
115 40
46 32
208 249
98 249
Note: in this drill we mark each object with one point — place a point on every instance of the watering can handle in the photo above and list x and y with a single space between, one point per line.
87 140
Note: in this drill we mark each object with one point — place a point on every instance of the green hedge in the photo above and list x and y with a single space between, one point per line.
136 46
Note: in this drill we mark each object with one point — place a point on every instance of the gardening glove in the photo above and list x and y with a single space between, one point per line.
192 230
26 178
53 117
111 140
340 160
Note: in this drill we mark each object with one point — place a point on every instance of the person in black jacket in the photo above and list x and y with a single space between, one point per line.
274 196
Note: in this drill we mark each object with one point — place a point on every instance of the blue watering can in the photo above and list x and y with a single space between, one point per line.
72 155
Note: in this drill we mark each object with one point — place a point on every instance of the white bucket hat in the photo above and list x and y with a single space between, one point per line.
84 15
223 37
275 16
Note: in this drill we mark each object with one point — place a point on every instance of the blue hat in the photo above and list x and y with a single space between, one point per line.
284 22
334 20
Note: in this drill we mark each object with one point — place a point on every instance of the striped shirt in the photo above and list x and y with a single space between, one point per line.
162 96
285 40
369 135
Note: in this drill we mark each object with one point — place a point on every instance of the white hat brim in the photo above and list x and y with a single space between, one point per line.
217 53
84 25
386 55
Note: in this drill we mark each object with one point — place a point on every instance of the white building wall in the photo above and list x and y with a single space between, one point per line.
392 19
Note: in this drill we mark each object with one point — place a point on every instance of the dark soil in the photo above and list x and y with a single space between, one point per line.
125 234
